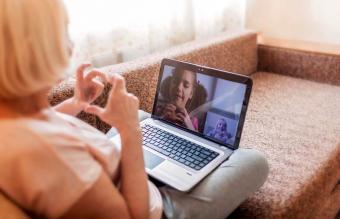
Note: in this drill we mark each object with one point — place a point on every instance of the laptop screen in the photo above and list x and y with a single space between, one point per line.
200 102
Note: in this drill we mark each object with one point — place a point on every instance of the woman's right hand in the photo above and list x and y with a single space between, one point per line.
121 110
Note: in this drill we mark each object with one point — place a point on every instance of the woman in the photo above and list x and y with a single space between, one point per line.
179 96
34 52
54 165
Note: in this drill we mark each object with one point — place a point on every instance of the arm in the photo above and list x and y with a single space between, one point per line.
70 106
86 90
121 111
110 202
133 177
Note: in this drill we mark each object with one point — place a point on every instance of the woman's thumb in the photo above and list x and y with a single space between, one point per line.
94 110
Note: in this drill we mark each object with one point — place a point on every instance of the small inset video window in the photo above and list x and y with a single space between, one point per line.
221 128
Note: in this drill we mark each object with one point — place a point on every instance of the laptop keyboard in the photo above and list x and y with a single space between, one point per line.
183 151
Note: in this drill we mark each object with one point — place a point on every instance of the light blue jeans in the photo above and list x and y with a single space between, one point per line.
221 192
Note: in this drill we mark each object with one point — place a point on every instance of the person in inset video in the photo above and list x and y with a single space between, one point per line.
220 132
177 98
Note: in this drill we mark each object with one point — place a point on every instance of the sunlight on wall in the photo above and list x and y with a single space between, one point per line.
309 20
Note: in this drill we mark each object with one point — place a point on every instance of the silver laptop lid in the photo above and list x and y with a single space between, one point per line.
207 102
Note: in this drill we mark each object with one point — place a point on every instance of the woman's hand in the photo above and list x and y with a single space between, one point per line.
121 111
122 107
88 88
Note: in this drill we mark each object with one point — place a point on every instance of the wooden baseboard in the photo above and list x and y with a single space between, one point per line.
331 49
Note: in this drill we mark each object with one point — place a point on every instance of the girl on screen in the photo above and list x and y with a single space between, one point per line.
178 91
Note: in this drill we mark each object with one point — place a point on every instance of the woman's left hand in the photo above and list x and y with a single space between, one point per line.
88 88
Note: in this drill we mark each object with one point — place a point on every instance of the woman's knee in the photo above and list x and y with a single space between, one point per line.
237 178
254 163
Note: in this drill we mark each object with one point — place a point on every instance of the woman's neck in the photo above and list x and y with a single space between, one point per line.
23 107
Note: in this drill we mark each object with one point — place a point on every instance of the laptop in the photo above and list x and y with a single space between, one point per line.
196 122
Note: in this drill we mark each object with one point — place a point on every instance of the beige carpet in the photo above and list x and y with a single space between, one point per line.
296 123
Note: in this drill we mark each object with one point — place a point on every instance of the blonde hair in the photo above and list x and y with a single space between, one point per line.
33 46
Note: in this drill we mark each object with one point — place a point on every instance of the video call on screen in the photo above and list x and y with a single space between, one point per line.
201 103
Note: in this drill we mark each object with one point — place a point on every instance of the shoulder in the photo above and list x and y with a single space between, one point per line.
22 140
39 177
17 138
22 149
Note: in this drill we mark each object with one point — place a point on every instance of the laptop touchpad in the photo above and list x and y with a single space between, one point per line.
151 160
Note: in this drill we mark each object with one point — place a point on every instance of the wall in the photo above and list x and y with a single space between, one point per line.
308 20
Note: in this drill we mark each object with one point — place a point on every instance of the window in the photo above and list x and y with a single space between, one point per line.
108 32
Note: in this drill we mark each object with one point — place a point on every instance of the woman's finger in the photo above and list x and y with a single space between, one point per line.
114 81
80 71
97 90
111 80
97 84
96 110
94 74
119 83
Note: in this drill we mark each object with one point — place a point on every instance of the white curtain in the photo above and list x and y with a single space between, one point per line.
113 31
